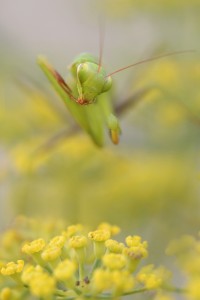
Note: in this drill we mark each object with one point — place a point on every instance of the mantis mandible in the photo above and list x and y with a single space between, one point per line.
86 95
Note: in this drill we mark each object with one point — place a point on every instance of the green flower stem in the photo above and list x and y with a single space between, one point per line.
37 258
17 278
97 264
99 249
136 291
60 293
111 296
81 271
52 264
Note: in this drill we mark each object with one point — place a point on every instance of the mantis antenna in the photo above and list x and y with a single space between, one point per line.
150 59
101 42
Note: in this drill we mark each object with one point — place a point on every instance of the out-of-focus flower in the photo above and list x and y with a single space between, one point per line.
187 252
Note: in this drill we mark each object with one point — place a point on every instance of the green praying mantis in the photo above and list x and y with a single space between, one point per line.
86 95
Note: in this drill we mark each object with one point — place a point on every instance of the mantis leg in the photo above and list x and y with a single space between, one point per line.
114 128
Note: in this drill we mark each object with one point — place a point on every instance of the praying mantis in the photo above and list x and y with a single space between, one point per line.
86 95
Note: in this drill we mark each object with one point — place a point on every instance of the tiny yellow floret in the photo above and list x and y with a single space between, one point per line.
114 229
58 241
122 281
42 285
29 272
114 246
51 253
135 253
135 241
118 282
12 268
151 277
72 230
6 294
65 270
34 246
114 261
99 235
101 280
78 241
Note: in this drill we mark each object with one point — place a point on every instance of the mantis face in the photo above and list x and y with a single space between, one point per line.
90 77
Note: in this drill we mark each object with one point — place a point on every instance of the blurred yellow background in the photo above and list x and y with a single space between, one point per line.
149 183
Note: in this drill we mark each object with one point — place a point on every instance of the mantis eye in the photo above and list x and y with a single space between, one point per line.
83 72
108 84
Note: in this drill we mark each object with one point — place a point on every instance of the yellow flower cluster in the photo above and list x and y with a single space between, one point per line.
12 268
118 282
187 252
73 264
34 246
151 277
40 282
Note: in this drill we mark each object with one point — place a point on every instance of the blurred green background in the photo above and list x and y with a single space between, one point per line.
149 183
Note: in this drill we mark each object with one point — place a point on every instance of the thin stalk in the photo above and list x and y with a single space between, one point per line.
96 264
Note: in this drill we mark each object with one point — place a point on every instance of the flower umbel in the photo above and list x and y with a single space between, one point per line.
74 264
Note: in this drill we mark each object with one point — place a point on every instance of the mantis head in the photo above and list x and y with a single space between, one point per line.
91 78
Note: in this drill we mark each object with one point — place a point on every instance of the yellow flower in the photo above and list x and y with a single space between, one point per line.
114 246
100 235
193 288
42 285
65 270
101 280
6 294
135 253
114 261
118 282
123 282
51 253
137 249
135 241
151 277
34 246
58 241
29 272
112 228
40 282
150 281
72 230
187 251
12 268
78 241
